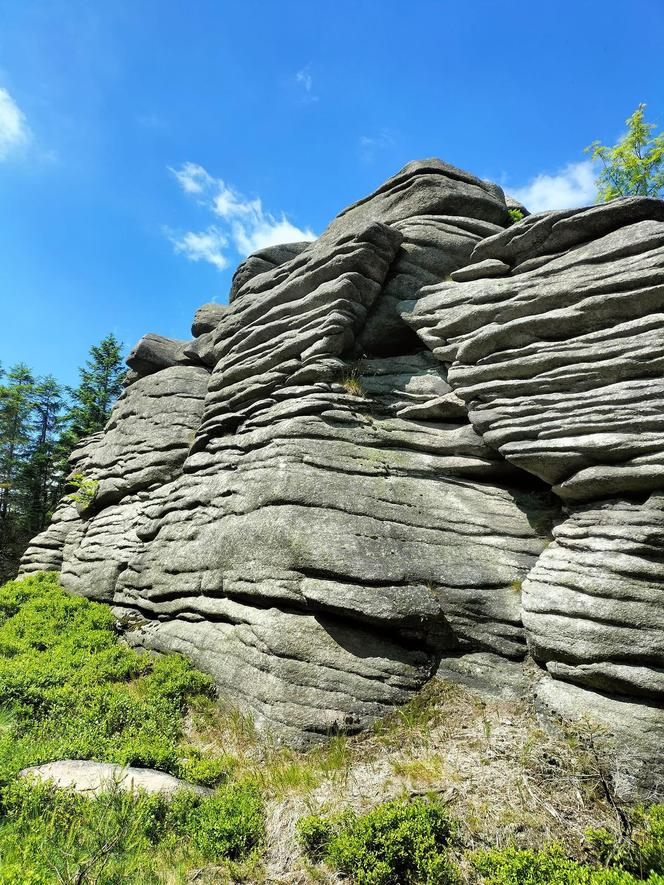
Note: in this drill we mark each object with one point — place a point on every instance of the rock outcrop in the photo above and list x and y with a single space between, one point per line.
429 436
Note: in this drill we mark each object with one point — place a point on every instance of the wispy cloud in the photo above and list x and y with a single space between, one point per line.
305 82
370 145
14 131
242 225
204 246
193 178
573 186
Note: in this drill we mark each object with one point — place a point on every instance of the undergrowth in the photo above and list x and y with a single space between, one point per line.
70 689
475 794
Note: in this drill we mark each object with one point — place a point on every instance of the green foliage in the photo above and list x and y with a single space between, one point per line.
353 385
511 866
50 835
229 824
642 852
635 165
396 843
73 691
99 386
70 689
515 215
85 489
38 430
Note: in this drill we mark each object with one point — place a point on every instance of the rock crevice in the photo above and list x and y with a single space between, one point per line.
430 434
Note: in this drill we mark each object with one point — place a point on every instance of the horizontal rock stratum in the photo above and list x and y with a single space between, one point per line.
430 434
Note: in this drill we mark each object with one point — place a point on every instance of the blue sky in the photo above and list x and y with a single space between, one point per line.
145 146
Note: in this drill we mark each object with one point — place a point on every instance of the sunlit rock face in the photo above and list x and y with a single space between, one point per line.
428 434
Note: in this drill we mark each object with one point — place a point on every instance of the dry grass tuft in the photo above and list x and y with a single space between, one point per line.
506 780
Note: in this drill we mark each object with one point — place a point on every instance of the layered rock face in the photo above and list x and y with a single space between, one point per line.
429 434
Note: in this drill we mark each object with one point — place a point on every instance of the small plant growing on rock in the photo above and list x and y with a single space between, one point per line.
352 384
516 215
86 489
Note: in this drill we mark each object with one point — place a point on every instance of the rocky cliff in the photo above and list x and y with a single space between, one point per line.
430 441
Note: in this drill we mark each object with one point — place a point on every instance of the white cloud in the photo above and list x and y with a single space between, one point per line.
243 224
305 81
267 231
572 187
192 177
14 131
203 246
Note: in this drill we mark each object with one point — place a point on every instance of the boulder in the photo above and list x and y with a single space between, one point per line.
93 778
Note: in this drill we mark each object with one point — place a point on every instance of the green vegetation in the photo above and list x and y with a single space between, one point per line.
510 866
69 688
640 851
635 165
396 843
85 489
40 423
49 836
515 215
353 385
416 841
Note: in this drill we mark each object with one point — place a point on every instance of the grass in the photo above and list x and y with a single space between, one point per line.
70 689
448 788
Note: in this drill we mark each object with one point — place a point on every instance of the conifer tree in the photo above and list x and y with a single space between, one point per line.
42 470
100 385
15 408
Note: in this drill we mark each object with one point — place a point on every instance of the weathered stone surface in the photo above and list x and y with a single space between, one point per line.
93 778
155 352
45 551
261 262
490 267
149 434
206 318
489 675
594 603
561 367
323 506
442 213
626 732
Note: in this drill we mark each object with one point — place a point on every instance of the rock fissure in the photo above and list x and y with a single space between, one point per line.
428 434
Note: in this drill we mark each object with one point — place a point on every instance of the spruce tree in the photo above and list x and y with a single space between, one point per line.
100 385
15 407
42 472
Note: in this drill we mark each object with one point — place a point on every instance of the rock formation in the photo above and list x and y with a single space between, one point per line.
429 436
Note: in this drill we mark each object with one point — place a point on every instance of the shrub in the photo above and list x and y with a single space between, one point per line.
643 852
396 843
515 215
230 824
69 689
86 489
550 866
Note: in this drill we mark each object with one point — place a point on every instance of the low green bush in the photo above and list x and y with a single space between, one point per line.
397 843
550 866
70 689
642 853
